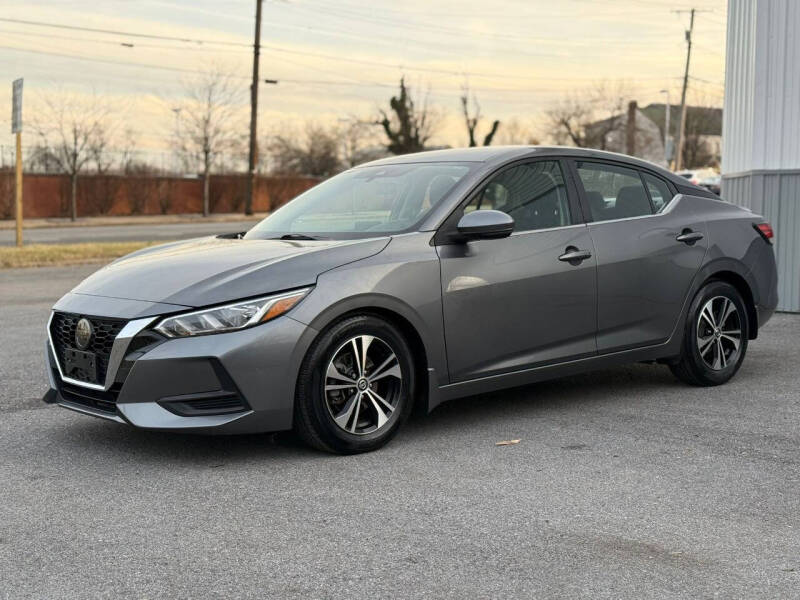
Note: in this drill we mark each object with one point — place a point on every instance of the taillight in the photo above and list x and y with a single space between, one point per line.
765 229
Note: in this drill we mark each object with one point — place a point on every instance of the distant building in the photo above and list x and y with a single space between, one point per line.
703 143
702 146
613 133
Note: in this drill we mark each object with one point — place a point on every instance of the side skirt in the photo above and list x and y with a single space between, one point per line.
544 372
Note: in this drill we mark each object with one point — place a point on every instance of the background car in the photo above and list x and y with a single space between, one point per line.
417 279
712 184
695 176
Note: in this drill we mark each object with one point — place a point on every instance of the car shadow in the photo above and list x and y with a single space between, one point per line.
616 386
573 391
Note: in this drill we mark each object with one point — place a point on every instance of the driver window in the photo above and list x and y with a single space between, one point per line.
533 194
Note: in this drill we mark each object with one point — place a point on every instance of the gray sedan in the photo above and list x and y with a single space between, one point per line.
416 280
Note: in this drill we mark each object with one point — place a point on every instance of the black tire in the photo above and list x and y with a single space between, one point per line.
709 369
314 408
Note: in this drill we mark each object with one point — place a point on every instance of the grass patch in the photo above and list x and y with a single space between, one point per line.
45 255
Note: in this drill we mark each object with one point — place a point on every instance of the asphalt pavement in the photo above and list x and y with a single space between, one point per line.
626 484
123 233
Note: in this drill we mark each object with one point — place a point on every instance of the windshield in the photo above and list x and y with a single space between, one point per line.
364 202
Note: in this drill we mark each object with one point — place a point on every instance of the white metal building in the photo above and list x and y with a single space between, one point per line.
761 126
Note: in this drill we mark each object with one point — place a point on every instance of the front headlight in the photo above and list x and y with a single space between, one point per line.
231 316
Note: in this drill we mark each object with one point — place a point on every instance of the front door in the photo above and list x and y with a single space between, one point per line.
648 252
526 299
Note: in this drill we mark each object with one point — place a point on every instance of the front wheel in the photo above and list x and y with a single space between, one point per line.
715 339
355 386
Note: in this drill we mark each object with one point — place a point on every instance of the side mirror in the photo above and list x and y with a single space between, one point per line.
485 225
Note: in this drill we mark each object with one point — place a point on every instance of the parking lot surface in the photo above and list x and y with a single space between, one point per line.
626 484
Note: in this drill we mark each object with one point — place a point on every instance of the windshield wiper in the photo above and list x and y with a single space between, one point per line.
299 236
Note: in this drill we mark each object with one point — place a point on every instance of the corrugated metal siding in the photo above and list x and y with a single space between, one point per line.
776 196
761 126
737 121
787 239
737 191
761 118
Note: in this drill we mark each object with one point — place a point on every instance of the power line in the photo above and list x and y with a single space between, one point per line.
708 81
397 66
110 61
288 81
125 33
625 10
349 15
120 43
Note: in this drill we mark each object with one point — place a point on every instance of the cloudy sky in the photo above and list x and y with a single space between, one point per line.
338 58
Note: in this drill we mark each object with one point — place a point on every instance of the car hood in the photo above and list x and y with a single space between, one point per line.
213 270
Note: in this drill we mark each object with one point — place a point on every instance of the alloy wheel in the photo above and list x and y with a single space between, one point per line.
362 385
719 333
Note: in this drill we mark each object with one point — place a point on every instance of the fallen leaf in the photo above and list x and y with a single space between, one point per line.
507 442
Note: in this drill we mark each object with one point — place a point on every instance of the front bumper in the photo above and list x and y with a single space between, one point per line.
157 388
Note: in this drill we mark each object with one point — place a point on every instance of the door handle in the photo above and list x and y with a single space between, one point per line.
689 237
574 256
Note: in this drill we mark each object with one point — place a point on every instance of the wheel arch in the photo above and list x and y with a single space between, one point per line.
738 279
412 328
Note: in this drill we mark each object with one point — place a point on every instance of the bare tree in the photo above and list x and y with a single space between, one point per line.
210 120
101 190
410 125
359 142
313 152
100 154
472 118
586 118
514 132
68 128
165 193
41 159
127 158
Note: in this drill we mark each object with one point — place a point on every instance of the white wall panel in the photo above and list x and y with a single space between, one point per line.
761 126
761 122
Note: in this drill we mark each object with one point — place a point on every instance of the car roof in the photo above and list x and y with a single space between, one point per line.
501 154
495 156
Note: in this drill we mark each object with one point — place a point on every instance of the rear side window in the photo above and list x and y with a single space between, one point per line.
533 194
660 193
613 192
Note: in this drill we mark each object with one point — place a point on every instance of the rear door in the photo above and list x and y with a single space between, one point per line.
516 302
648 251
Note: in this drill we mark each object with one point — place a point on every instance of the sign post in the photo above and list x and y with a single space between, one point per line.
16 128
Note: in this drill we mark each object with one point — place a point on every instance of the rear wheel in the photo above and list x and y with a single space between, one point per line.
715 339
355 386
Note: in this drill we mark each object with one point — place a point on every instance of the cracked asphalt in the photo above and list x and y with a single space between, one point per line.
626 484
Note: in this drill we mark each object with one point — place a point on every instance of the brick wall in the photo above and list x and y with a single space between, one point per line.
47 196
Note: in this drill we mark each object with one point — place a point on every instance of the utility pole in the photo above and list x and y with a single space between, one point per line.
253 154
682 126
630 129
178 141
16 129
667 110
18 189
